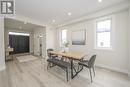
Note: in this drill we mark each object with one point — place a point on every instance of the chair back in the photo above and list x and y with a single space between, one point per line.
92 61
48 50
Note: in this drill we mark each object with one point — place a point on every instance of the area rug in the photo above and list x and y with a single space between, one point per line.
26 58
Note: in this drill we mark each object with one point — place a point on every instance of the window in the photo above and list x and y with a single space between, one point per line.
103 34
63 37
16 33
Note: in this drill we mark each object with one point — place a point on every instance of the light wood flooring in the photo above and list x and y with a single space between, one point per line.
35 74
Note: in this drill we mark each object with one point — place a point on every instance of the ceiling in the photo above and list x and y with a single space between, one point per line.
47 10
15 24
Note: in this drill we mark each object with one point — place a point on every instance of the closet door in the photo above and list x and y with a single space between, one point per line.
19 43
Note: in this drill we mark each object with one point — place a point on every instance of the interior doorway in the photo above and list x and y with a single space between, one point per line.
19 42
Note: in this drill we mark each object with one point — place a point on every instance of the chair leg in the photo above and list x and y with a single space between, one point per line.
48 65
78 67
90 75
67 74
94 71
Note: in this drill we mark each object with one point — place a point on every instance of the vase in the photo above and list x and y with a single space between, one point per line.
66 49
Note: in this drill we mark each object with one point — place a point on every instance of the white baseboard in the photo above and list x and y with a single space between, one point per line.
112 68
2 68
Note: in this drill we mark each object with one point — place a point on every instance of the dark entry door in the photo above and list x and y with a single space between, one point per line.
19 43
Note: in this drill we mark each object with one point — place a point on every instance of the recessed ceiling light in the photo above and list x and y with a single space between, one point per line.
69 14
9 4
99 1
53 21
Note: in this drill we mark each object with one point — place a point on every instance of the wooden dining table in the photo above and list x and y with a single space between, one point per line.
72 56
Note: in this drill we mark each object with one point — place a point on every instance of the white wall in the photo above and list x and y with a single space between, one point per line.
116 59
42 32
129 41
2 50
50 38
31 42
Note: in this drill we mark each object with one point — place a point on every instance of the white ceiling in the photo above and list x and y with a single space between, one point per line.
15 24
47 10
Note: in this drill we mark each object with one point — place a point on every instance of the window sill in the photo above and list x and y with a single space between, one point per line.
106 49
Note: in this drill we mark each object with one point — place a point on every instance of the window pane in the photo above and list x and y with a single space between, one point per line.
103 39
63 37
104 26
104 34
16 33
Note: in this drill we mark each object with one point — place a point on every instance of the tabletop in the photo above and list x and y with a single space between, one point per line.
72 55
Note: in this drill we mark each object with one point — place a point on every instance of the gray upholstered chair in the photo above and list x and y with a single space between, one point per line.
89 64
50 55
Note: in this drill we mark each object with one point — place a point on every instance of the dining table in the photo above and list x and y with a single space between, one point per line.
72 56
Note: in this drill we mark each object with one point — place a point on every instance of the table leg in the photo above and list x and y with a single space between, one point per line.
71 62
72 68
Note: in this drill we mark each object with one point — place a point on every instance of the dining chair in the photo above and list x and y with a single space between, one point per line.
51 55
89 64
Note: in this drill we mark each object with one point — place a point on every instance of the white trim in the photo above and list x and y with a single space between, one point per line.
2 45
2 68
112 37
105 49
99 20
112 68
129 42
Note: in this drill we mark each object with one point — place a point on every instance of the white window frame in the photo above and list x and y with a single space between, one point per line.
111 33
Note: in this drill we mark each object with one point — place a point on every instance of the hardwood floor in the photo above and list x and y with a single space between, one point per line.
35 74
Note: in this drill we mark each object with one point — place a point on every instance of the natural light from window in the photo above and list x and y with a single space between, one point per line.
16 33
103 34
63 37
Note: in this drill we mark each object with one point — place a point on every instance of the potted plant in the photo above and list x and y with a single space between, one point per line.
66 47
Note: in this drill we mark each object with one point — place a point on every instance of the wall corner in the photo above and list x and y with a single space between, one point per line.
129 44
